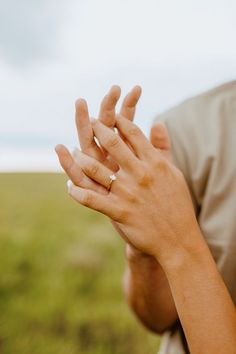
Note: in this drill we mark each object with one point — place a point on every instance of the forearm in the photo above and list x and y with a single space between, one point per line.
204 306
148 293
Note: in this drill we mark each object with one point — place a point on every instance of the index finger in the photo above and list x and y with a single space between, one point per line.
74 171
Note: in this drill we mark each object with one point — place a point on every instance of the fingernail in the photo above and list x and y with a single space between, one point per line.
57 147
79 101
69 184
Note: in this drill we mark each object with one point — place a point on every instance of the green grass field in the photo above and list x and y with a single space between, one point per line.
60 275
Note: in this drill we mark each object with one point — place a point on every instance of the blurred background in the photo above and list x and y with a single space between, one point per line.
61 264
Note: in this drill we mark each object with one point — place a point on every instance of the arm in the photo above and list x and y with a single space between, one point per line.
150 198
146 287
147 291
204 306
159 311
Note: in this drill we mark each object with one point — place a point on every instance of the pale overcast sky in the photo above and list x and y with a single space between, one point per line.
53 51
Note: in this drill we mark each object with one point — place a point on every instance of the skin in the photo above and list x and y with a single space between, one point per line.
146 177
145 284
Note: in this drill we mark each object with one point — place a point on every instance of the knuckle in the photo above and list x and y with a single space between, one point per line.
145 177
131 196
161 165
87 199
75 173
93 169
113 142
79 178
134 131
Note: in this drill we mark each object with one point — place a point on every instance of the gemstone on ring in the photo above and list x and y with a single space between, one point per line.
112 178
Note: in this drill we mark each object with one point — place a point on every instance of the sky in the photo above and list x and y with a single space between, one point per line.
54 51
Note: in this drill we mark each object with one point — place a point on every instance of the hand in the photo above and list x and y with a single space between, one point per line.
160 139
88 145
159 136
149 200
107 116
86 135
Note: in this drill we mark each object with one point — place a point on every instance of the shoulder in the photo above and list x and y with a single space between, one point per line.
199 128
201 110
197 121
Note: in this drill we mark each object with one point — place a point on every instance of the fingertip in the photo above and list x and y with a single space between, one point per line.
136 91
58 148
114 94
116 89
138 88
80 102
133 96
154 133
159 136
160 130
161 124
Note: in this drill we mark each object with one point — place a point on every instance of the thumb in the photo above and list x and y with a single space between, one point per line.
160 138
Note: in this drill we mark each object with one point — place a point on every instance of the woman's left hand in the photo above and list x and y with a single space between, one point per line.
149 199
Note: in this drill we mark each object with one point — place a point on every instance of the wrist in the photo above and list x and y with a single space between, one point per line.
180 256
138 261
133 254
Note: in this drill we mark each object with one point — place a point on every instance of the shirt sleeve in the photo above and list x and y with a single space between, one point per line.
177 122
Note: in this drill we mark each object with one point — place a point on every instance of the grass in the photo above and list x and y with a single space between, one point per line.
60 275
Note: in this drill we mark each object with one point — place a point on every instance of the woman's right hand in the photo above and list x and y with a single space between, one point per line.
159 138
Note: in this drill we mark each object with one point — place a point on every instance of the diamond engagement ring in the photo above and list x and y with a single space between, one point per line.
112 178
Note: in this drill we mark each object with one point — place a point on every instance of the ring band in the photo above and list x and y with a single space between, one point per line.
112 179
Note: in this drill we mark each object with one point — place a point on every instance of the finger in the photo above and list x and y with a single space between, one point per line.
129 103
106 160
135 137
104 204
115 146
85 131
160 138
74 171
94 169
107 109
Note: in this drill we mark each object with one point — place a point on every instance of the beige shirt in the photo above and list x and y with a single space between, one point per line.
203 136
